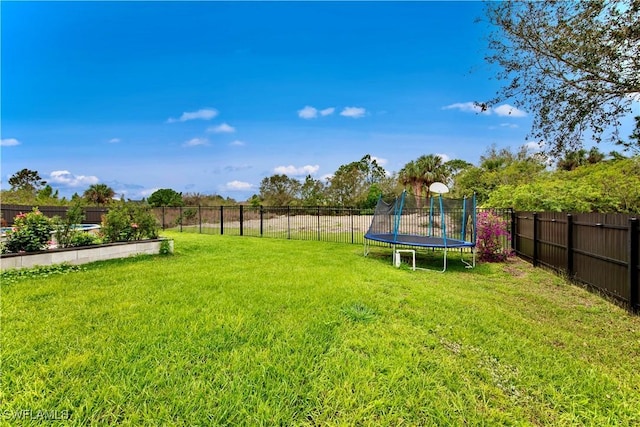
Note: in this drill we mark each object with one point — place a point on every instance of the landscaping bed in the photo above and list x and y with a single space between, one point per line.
84 254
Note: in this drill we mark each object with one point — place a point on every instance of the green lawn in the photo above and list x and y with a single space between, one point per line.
249 331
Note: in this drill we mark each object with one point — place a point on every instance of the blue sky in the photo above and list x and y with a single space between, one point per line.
212 97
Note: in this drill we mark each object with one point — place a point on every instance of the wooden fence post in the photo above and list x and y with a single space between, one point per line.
200 217
535 239
569 245
634 298
241 220
181 219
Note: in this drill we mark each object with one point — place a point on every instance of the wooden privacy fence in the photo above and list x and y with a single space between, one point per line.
93 214
599 250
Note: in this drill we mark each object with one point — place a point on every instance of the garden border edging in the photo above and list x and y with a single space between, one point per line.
83 255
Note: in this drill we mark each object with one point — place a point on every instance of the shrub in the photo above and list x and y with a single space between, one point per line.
492 231
31 232
129 221
65 231
84 239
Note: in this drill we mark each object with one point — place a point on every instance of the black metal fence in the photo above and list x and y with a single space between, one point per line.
321 223
598 250
333 224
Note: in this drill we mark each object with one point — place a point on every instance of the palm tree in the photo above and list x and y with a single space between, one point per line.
99 194
409 176
432 169
421 173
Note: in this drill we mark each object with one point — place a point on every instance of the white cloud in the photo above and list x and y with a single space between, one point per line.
223 128
467 107
327 111
353 112
379 161
9 142
202 114
506 110
238 186
535 146
195 142
326 177
148 192
114 140
308 112
444 157
67 179
297 171
237 143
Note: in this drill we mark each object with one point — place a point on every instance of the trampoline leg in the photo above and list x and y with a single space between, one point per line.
466 264
366 247
445 261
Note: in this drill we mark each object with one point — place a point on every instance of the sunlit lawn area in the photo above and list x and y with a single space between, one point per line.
250 331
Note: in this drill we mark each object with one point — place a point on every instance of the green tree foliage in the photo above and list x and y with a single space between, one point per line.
312 192
351 183
573 159
608 186
279 190
199 199
499 167
165 197
99 194
26 180
573 64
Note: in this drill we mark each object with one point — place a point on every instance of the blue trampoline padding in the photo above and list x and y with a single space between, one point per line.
417 240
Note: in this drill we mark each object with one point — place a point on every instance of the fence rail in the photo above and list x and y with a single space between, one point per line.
598 250
93 214
321 223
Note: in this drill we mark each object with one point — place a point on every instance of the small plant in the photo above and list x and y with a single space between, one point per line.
492 231
84 239
31 232
165 247
14 275
65 231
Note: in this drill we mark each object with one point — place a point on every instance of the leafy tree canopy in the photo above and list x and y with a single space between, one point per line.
575 65
279 190
165 197
26 180
608 186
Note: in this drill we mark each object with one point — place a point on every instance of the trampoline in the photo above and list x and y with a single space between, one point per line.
437 223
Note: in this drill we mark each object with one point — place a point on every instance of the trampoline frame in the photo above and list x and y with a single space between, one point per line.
421 241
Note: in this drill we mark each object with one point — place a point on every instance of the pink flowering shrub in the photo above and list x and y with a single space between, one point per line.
492 230
31 232
128 221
